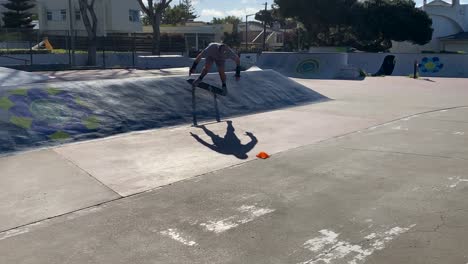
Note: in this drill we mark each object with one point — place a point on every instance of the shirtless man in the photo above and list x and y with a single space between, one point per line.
216 53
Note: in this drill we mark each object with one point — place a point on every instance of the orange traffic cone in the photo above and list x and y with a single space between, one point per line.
263 155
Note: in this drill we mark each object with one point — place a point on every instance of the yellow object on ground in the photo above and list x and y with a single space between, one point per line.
48 45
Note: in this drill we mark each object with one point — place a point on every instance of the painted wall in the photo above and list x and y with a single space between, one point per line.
432 65
304 65
331 65
298 65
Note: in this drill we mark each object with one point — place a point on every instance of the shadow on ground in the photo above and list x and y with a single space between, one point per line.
230 144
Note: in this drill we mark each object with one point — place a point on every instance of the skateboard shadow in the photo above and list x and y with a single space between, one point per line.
230 144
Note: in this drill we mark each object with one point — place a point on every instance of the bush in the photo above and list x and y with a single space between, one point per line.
411 75
363 73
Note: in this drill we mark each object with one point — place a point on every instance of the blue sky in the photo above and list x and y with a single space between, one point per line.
207 9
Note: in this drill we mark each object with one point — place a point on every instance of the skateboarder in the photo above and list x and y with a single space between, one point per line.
216 53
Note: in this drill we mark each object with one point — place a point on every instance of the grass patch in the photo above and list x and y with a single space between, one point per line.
5 103
81 102
22 92
363 73
91 122
22 51
59 135
23 122
411 75
64 51
53 91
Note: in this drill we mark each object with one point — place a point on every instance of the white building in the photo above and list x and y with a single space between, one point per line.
197 34
450 24
114 16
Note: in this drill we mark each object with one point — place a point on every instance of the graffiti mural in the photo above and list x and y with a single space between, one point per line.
49 112
308 66
430 65
388 65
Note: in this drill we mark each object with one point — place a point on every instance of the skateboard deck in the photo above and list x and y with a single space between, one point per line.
209 87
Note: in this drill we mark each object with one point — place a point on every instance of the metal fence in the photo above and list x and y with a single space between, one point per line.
68 49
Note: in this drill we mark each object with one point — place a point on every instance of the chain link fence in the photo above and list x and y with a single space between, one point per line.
65 49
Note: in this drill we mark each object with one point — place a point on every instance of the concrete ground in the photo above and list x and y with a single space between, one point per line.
378 175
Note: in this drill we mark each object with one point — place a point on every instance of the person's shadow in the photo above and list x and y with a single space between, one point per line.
230 144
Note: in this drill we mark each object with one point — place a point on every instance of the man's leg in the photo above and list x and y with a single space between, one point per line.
221 70
205 71
222 74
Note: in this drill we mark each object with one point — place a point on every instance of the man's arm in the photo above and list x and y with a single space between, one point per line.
195 63
253 142
236 58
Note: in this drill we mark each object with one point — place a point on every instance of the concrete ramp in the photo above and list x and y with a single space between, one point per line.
14 77
304 65
48 114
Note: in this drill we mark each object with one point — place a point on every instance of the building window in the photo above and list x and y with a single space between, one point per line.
134 15
63 14
77 15
57 15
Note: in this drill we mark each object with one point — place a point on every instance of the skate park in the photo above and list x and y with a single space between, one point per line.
107 167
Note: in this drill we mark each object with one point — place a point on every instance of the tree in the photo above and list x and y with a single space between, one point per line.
326 21
90 21
232 39
154 12
18 15
189 9
265 16
180 13
369 25
381 21
226 20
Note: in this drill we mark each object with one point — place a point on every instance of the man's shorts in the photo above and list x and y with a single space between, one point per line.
219 62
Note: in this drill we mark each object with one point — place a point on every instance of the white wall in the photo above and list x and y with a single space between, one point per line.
118 12
304 65
454 65
329 65
457 46
113 16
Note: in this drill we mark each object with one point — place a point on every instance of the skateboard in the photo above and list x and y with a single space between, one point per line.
209 87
